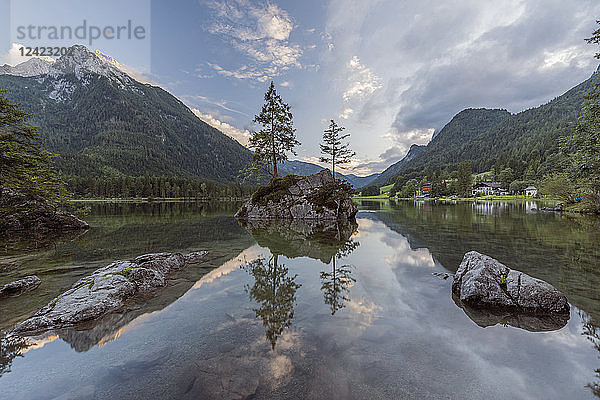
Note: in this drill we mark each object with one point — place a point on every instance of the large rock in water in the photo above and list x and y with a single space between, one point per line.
20 286
22 215
477 286
316 196
106 290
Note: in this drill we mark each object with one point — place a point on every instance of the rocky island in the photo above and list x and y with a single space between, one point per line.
318 197
24 215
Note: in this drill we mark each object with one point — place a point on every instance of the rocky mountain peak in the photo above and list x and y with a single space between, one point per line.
80 61
32 67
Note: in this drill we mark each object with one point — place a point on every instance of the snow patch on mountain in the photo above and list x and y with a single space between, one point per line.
80 62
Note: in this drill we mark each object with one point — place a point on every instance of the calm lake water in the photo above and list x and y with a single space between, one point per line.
298 310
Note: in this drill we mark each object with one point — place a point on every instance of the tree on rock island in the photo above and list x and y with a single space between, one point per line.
336 152
277 137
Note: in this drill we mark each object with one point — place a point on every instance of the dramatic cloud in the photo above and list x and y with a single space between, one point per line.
434 59
242 136
261 33
362 81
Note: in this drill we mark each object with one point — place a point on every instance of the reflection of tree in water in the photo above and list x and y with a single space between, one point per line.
593 334
336 284
275 292
10 348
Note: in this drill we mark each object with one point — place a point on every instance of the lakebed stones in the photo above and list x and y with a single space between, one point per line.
316 196
490 293
106 290
20 286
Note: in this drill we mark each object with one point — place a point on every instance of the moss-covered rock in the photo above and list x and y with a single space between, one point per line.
317 196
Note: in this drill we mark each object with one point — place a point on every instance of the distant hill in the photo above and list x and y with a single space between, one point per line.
303 168
104 123
394 169
526 141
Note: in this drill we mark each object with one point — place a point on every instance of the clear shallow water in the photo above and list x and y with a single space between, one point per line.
378 326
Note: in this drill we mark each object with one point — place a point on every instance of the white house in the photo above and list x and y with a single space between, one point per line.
487 189
530 191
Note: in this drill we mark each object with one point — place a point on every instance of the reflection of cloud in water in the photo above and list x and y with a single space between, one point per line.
365 312
404 255
249 254
281 367
365 224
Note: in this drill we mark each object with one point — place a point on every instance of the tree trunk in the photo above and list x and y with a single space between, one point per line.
273 143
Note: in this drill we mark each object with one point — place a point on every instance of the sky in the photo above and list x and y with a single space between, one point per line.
392 72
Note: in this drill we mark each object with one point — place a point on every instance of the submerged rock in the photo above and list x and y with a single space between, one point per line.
106 290
20 286
482 282
316 196
485 317
22 215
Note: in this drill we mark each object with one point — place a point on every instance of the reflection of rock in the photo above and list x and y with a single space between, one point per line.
21 286
106 290
316 196
530 322
24 215
482 283
320 240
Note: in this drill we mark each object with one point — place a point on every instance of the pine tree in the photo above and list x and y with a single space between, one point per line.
338 152
465 181
26 167
277 137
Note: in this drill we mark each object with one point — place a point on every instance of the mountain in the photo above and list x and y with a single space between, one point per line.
297 167
358 181
32 67
526 141
303 168
394 169
104 123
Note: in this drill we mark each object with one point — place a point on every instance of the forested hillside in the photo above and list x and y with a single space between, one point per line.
526 142
105 124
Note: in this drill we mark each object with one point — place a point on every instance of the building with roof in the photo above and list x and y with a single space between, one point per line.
531 191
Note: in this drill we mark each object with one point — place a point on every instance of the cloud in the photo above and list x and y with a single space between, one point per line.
259 31
347 113
13 56
362 81
242 136
225 105
437 58
285 84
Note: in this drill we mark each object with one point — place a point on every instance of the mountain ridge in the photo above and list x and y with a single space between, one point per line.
102 122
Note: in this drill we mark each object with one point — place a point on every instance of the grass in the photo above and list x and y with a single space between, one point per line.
274 190
381 196
385 189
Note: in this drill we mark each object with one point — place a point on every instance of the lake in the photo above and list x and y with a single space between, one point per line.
310 311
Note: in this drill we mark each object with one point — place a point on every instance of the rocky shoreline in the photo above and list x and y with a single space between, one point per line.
106 290
20 215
